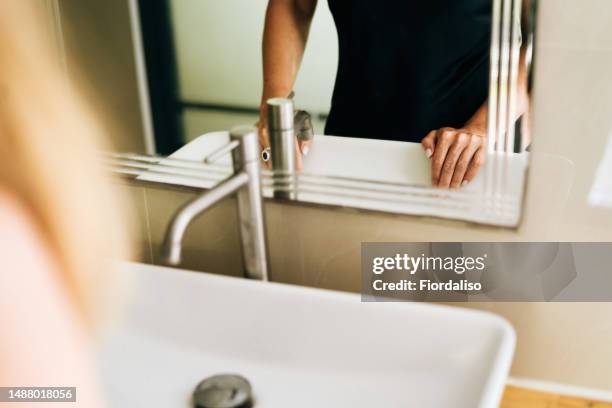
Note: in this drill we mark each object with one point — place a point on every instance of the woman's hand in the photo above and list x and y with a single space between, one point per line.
301 147
456 154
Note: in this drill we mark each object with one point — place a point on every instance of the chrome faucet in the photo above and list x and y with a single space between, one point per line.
281 133
245 182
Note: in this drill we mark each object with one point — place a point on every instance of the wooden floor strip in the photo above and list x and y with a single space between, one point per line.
515 397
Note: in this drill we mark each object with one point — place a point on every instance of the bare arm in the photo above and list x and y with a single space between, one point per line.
284 40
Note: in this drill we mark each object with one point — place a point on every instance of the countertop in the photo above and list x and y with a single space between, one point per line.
380 175
384 161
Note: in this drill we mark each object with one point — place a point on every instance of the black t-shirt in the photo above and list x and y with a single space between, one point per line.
407 67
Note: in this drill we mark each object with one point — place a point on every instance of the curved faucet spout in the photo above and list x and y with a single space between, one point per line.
182 219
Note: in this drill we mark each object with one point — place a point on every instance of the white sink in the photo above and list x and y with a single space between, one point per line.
299 347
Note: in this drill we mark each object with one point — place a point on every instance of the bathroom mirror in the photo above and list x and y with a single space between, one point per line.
405 99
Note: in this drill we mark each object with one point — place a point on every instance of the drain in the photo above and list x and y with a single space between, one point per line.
223 391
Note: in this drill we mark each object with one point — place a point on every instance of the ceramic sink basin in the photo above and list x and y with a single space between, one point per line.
298 347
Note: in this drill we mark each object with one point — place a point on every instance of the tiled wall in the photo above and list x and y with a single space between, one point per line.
211 243
569 343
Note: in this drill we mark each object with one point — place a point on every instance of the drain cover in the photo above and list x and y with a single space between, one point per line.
223 391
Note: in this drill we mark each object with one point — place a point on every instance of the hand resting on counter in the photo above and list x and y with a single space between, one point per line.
456 155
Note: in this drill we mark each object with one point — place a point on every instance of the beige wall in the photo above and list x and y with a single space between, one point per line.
100 56
569 343
573 96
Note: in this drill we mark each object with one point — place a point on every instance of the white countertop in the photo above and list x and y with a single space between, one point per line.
367 164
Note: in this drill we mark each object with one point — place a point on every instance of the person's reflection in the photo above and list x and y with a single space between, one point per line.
413 71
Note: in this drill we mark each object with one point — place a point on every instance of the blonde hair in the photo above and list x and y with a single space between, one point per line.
50 158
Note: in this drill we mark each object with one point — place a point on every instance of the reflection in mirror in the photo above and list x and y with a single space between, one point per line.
394 97
511 75
600 194
412 72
